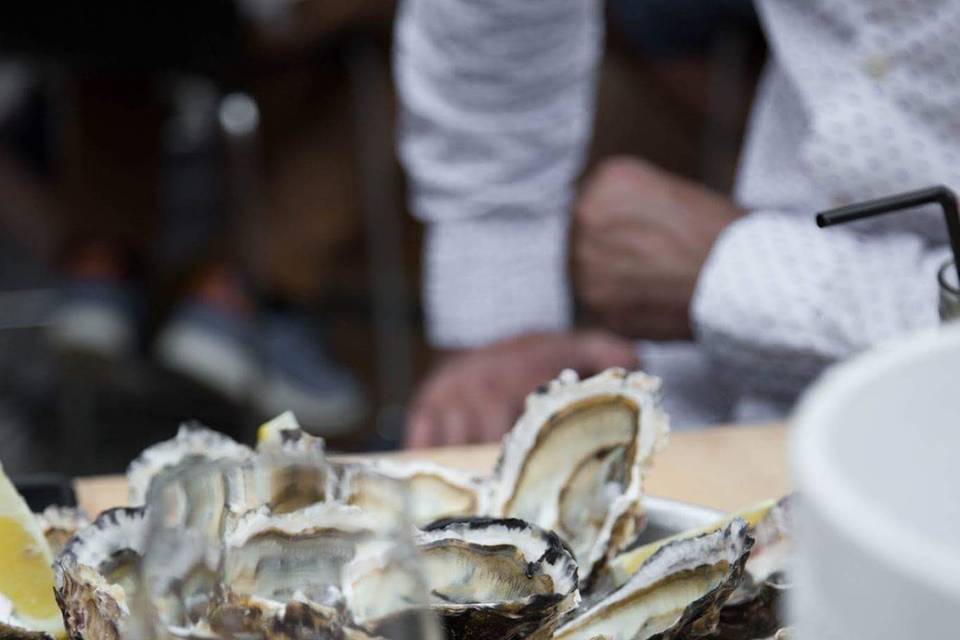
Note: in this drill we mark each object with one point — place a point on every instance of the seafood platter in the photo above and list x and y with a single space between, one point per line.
279 541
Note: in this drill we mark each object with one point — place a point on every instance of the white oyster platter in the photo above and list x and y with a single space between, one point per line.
558 542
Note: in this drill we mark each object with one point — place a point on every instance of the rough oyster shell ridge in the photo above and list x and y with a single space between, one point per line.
92 606
193 440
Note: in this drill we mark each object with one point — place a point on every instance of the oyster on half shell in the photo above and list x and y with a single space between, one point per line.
96 574
273 557
485 578
575 459
677 592
281 573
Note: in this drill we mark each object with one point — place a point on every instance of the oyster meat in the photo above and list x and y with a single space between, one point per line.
575 459
273 557
282 573
677 592
485 578
96 574
432 492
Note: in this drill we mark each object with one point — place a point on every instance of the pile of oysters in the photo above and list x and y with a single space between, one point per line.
274 542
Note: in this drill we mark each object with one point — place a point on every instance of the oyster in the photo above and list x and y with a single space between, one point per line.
192 442
575 459
677 592
273 557
619 569
432 492
281 568
96 574
59 524
486 578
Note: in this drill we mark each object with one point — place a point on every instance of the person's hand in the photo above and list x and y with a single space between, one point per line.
476 395
641 236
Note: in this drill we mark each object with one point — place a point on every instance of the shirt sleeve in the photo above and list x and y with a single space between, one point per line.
780 299
497 105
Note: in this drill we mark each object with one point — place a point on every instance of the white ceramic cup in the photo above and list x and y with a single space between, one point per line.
876 461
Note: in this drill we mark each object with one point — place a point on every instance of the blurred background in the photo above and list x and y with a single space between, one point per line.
202 215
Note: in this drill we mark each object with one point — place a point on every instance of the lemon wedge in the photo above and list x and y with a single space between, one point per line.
269 431
26 576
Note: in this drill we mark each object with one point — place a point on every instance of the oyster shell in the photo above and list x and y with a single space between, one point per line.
10 632
432 492
754 609
282 574
95 574
486 578
574 461
677 592
192 442
59 524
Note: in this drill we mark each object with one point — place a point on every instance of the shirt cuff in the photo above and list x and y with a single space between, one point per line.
495 277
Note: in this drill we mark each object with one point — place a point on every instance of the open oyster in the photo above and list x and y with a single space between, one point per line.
192 442
95 575
678 592
486 578
574 461
432 492
272 557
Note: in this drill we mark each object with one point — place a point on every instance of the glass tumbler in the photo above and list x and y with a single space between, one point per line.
949 304
241 550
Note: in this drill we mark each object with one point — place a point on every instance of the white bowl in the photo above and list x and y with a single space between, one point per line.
876 461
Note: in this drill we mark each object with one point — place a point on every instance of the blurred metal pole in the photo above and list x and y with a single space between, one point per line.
239 117
240 124
372 100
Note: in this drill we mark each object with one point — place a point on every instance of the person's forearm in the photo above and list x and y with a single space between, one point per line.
497 101
486 280
779 299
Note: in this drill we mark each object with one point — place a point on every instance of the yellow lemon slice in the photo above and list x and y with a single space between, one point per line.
26 576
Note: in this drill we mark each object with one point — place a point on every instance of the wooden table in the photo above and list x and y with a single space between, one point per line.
723 467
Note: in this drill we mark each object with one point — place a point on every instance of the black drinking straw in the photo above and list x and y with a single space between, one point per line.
941 195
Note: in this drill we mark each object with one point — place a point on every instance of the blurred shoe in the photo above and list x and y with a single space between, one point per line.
97 318
212 345
300 376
